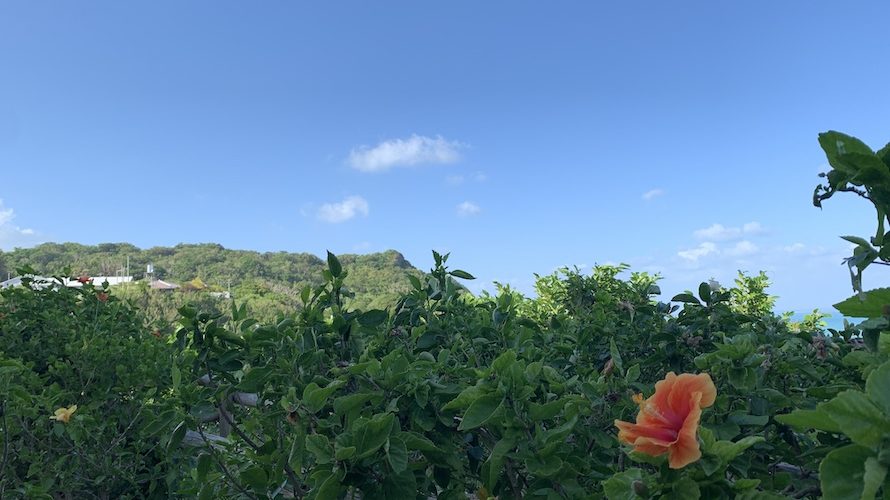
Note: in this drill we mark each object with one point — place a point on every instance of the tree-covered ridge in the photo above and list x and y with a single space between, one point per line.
269 281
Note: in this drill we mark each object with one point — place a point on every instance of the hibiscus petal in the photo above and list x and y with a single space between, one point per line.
688 384
686 449
632 433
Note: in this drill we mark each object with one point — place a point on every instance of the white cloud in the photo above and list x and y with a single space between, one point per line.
5 215
794 248
458 179
343 211
467 209
415 150
693 254
653 193
742 249
719 232
12 235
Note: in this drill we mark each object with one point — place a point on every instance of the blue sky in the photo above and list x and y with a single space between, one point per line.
679 137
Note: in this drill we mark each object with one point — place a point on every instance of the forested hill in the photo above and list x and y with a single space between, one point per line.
375 278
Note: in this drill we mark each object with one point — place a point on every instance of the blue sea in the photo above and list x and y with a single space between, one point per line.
835 320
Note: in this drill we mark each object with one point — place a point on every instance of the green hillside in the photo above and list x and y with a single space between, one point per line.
269 282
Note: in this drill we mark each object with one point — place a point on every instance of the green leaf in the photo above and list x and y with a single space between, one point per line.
371 434
204 411
842 473
207 492
625 485
857 240
496 461
480 411
465 398
203 467
809 419
742 418
176 375
726 451
684 489
419 442
403 485
344 453
457 273
334 265
397 454
328 488
878 387
616 356
633 374
836 144
858 417
255 477
875 472
320 446
546 411
255 379
504 362
176 437
743 379
544 466
869 305
374 317
704 291
315 397
344 404
687 298
415 282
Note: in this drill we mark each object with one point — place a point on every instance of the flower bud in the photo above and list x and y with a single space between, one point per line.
640 488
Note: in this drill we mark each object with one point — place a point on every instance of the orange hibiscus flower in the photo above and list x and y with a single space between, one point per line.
668 420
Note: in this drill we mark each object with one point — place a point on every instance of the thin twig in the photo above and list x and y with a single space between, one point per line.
238 431
292 476
225 470
5 442
118 439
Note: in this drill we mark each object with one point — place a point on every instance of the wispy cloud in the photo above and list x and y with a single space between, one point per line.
468 209
344 210
454 180
415 150
719 232
12 235
6 214
653 193
693 254
743 248
458 179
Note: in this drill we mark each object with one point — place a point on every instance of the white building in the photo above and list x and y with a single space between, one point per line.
43 282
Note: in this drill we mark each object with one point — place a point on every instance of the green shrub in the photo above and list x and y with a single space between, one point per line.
63 347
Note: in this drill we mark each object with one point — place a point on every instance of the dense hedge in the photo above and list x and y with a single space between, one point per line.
446 395
63 347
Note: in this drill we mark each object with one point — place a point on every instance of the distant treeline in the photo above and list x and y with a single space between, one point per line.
269 282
